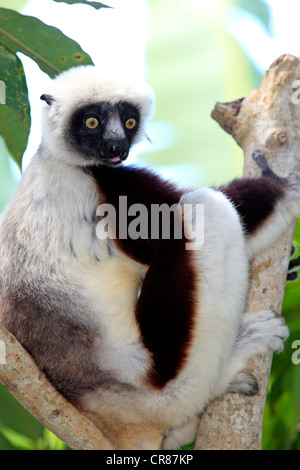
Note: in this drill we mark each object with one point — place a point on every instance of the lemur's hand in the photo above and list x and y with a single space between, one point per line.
292 274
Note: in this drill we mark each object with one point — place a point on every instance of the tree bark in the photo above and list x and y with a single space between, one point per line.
20 375
269 120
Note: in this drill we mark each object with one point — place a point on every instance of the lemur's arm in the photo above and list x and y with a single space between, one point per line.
255 199
294 264
139 186
267 205
166 306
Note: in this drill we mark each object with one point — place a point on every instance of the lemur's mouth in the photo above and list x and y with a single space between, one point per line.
116 160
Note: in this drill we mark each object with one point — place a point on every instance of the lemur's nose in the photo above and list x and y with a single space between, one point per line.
117 149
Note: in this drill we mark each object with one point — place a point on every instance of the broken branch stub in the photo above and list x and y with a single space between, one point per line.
268 119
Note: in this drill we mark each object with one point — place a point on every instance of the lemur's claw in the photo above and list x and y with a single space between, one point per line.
260 158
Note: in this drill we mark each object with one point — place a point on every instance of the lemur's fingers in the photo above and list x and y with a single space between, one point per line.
294 263
260 158
292 276
293 250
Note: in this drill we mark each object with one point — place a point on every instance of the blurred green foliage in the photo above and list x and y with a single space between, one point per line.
282 414
47 441
259 9
192 61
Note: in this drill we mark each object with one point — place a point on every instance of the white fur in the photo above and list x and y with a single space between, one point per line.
84 85
177 437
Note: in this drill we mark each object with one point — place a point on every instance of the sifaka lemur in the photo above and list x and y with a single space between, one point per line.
139 333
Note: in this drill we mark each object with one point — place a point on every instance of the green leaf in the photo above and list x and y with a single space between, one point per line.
15 113
15 131
259 9
12 75
48 441
52 442
20 33
96 5
46 45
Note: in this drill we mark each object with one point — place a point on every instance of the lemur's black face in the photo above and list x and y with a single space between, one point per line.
103 132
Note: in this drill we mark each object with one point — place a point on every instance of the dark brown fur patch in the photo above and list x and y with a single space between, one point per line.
254 199
140 186
165 309
61 345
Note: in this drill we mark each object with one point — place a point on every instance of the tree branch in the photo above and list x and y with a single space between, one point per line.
267 120
20 375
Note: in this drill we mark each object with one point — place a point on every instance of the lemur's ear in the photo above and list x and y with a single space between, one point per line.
48 98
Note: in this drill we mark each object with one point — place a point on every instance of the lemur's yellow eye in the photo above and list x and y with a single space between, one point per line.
92 123
130 123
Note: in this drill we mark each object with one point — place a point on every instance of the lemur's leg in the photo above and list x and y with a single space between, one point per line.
166 309
114 418
181 435
259 333
267 205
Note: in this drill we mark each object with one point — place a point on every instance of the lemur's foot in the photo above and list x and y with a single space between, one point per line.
244 383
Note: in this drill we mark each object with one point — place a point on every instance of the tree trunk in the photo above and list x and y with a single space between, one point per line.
269 120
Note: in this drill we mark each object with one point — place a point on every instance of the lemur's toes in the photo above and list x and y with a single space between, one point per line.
293 250
292 276
260 158
244 383
293 264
